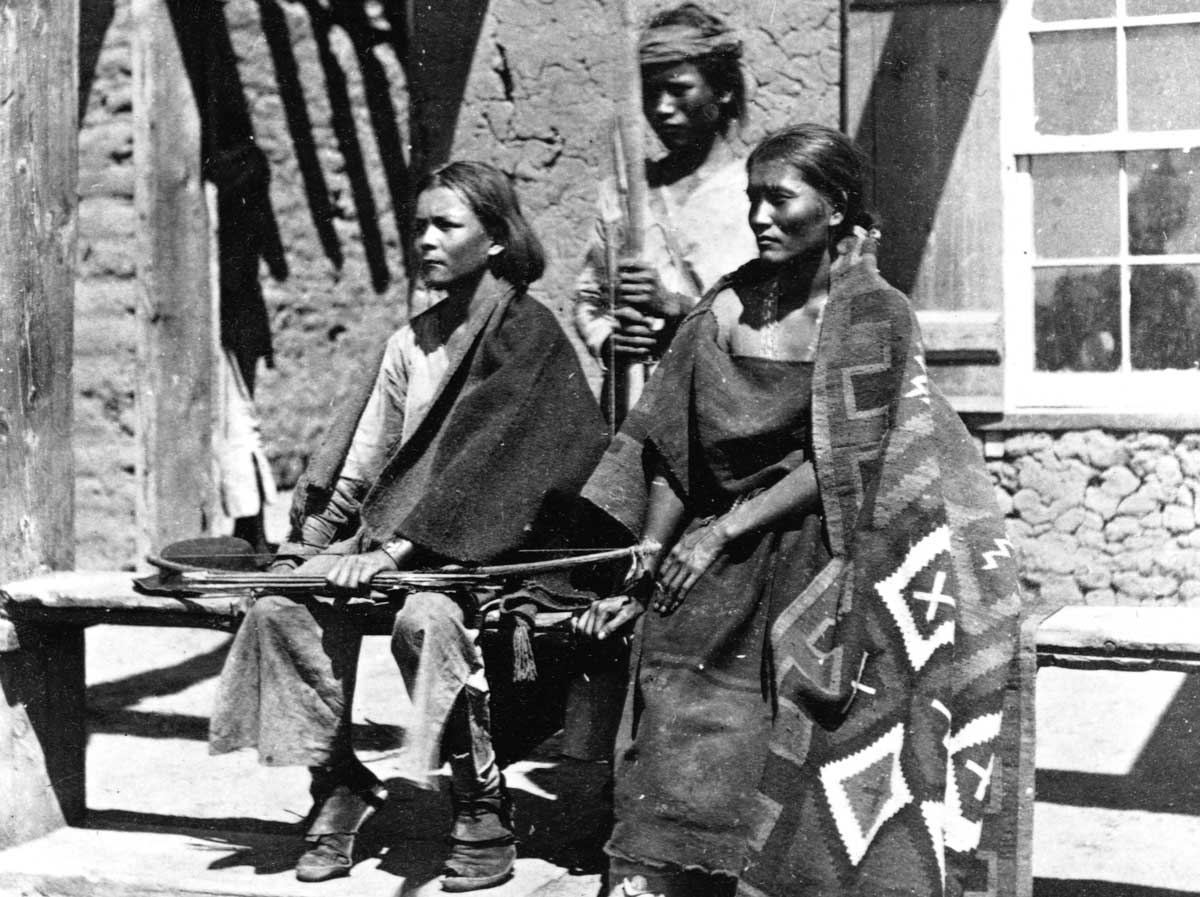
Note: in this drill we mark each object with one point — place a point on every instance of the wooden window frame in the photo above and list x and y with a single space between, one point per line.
1027 391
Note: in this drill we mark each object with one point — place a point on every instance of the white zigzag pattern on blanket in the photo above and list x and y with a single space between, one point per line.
1004 550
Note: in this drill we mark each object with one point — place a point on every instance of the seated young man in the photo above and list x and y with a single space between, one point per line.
468 447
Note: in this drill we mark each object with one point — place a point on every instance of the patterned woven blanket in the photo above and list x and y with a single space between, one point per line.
890 667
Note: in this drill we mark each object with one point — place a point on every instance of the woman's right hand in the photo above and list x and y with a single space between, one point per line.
687 561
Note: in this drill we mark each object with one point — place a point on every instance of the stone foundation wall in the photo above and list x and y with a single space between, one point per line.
1103 518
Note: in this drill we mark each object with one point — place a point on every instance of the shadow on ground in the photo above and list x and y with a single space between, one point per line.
566 827
1164 779
1056 887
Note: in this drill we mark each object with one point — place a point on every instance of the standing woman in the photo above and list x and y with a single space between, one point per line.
694 96
818 686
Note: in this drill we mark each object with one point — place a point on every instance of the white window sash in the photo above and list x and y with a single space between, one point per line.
1026 389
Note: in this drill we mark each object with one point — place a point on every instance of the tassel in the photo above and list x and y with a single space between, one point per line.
524 665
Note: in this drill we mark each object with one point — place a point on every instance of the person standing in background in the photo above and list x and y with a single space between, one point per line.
694 95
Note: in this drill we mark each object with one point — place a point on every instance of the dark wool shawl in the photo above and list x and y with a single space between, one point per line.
887 672
495 464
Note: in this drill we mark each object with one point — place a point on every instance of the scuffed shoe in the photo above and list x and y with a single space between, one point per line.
341 810
473 866
331 856
483 847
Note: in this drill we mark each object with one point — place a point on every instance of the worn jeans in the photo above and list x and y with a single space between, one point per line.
288 686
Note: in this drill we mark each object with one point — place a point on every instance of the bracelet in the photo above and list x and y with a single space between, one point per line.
395 550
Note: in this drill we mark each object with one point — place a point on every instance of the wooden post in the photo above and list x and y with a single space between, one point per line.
176 493
41 671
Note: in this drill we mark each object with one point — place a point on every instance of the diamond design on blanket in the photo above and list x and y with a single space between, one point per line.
968 780
865 790
899 595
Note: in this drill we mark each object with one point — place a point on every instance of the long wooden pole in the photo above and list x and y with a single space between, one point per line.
631 177
41 669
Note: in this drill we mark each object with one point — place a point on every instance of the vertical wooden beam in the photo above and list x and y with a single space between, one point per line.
176 494
41 673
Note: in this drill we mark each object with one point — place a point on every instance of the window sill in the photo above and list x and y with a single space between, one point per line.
1090 419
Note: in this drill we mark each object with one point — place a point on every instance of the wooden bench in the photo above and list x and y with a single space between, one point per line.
43 732
1091 638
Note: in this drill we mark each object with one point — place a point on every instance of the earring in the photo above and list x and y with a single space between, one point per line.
495 249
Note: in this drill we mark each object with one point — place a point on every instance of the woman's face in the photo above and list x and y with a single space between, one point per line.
451 242
790 219
680 104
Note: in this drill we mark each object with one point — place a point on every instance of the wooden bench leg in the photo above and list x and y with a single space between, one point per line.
1027 755
43 730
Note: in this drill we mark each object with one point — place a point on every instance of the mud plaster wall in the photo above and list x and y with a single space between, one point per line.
329 102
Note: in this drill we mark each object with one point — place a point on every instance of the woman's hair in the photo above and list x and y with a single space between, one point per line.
828 161
711 46
487 190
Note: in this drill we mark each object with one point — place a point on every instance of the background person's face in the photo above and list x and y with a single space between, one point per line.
790 219
451 242
680 104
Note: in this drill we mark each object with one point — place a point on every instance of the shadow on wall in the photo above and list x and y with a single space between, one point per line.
435 47
912 144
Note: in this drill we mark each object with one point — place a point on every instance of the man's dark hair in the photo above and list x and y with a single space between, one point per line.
722 69
490 194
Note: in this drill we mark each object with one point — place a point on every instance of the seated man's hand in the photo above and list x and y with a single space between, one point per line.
607 615
354 572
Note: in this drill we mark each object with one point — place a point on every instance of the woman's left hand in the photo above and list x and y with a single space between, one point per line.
691 556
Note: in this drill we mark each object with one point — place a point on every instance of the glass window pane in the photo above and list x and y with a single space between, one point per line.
1075 82
1156 7
1058 10
1164 317
1077 319
1164 201
1076 211
1164 78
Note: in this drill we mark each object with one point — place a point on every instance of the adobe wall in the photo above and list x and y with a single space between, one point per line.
328 102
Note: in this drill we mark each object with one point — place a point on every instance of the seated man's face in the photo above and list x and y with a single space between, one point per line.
450 241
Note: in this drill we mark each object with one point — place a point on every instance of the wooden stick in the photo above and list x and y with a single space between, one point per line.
629 127
217 580
631 177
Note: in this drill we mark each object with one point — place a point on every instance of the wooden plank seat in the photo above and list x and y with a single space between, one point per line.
43 730
85 598
1091 638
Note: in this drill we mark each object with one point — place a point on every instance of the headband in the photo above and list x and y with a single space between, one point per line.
678 43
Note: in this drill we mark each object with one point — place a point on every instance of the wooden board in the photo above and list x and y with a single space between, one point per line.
89 597
176 495
38 156
1121 637
40 759
921 95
